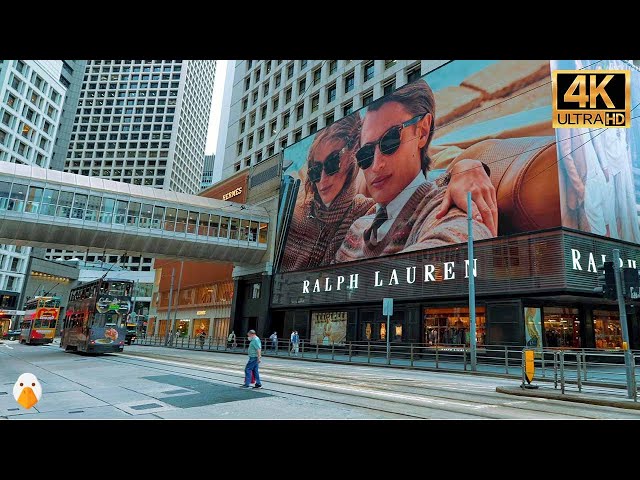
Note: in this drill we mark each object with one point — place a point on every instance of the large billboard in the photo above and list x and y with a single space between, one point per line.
393 176
598 184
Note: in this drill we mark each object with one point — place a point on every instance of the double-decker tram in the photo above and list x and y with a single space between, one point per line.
95 321
40 319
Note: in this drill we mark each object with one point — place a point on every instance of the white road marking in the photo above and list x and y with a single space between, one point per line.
10 348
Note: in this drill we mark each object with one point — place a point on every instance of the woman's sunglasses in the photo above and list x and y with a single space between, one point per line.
389 142
331 166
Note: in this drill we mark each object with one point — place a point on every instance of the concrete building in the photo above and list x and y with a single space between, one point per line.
142 122
31 99
275 103
71 77
202 292
224 119
207 171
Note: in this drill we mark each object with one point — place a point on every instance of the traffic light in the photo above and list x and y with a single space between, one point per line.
606 281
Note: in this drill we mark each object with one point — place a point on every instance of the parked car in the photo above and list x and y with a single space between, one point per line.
11 335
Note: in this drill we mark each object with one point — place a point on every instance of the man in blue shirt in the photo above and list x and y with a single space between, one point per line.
255 356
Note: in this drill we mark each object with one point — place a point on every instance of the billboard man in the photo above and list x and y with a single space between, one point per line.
396 133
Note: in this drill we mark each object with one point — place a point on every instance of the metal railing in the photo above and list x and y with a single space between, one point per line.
566 368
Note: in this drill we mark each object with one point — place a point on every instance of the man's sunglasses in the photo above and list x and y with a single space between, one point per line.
389 142
331 166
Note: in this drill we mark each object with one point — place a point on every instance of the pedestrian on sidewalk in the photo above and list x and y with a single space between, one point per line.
295 342
274 341
202 338
255 357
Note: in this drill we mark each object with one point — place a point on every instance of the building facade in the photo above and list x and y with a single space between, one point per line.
31 99
202 293
207 171
71 76
275 103
534 275
142 122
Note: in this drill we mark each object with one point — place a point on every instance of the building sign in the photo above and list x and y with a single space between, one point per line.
201 312
11 312
232 193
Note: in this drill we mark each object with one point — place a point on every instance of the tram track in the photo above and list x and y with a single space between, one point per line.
427 397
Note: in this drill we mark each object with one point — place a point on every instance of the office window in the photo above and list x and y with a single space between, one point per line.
258 157
247 83
289 71
249 63
283 143
242 125
302 86
389 63
265 89
276 103
245 104
347 109
271 149
349 82
299 111
367 98
239 147
329 119
277 79
287 95
268 67
273 127
236 167
369 70
303 64
315 102
285 120
257 75
297 136
331 93
333 67
247 162
317 75
252 119
250 142
413 74
255 97
313 128
263 112
261 135
389 87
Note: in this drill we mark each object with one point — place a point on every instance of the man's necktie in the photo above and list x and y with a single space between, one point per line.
372 232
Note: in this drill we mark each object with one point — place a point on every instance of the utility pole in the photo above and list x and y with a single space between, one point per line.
628 358
167 330
472 285
175 309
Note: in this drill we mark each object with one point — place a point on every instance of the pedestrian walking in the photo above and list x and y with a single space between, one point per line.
274 341
202 338
295 342
255 357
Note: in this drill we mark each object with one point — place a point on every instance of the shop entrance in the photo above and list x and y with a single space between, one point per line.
451 325
562 327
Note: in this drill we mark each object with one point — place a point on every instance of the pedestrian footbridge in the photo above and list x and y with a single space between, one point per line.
53 209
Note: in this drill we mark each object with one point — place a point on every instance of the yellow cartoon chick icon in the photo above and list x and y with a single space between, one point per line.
27 391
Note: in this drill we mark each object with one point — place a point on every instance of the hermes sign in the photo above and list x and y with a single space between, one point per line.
232 193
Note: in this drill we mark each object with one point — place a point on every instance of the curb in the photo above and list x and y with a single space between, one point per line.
568 397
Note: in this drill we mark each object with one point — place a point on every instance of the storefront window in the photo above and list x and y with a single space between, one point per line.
328 328
450 325
607 329
200 325
182 328
561 327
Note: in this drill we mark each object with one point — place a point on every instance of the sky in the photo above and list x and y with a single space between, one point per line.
216 105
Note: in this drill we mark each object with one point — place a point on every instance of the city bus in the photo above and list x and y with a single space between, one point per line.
95 321
40 319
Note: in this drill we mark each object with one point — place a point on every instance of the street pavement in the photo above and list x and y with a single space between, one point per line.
164 383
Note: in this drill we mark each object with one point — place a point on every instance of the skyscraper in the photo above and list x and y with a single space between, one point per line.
71 77
31 98
142 122
207 171
276 103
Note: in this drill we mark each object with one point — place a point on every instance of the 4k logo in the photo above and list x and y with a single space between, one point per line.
591 99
